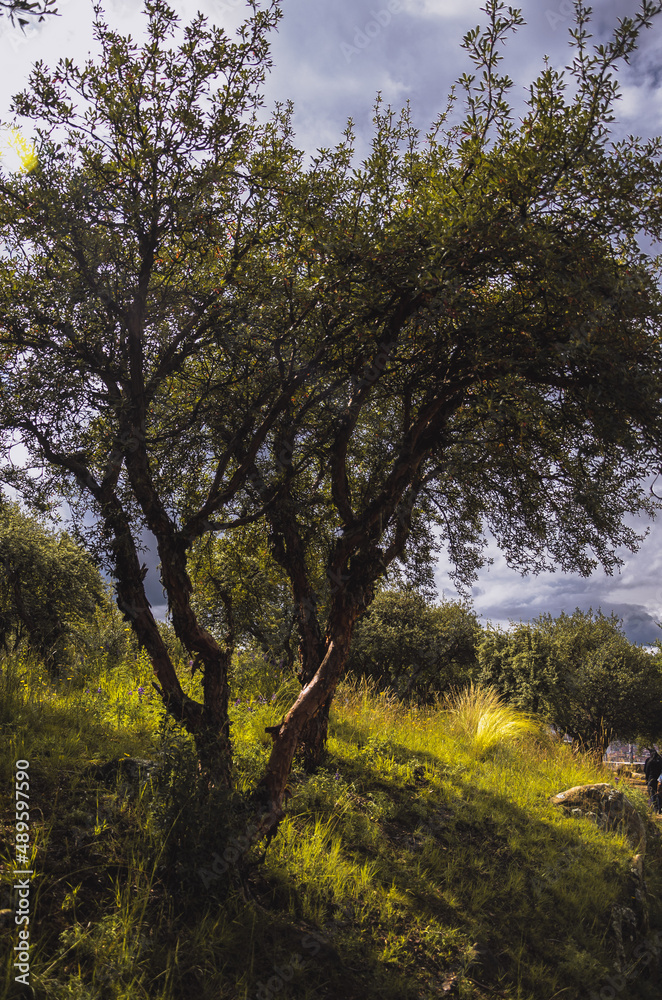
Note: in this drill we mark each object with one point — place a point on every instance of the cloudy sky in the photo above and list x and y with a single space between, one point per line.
331 57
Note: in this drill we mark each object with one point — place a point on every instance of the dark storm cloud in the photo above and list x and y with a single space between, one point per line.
635 594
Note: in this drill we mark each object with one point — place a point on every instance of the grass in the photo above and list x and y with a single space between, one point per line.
422 860
486 723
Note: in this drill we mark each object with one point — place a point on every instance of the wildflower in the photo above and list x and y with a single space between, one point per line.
131 691
141 692
262 700
237 702
273 697
98 690
337 775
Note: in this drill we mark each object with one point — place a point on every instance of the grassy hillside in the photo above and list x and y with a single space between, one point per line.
424 859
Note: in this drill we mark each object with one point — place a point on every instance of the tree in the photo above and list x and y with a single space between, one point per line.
241 595
512 368
199 333
581 673
50 590
148 335
139 226
413 647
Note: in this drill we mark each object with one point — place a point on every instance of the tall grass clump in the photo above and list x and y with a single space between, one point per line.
486 722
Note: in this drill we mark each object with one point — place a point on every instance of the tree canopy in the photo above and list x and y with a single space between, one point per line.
581 673
417 649
201 330
241 595
49 589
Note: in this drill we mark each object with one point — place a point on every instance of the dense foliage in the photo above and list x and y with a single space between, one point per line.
581 673
242 596
52 595
416 649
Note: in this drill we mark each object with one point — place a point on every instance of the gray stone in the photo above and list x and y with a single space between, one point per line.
608 807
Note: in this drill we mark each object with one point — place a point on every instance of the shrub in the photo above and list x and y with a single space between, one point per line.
419 650
50 590
580 672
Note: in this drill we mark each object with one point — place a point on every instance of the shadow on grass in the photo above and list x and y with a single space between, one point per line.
534 892
465 881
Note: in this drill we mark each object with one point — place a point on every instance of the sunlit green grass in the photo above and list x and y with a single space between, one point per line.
426 836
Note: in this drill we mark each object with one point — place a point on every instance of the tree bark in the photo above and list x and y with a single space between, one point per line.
207 723
312 742
211 726
289 551
270 791
212 735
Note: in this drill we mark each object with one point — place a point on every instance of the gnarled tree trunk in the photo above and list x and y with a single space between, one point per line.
208 723
286 737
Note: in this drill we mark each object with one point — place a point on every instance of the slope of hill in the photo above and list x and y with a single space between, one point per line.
423 860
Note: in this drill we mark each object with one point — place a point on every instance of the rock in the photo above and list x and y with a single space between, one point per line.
606 806
131 770
623 927
629 921
637 891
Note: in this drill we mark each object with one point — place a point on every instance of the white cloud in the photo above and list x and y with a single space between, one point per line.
634 594
444 9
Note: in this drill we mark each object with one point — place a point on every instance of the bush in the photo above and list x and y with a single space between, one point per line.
254 674
50 591
417 649
486 721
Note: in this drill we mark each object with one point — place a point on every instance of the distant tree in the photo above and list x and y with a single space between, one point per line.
50 590
581 673
241 595
417 649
